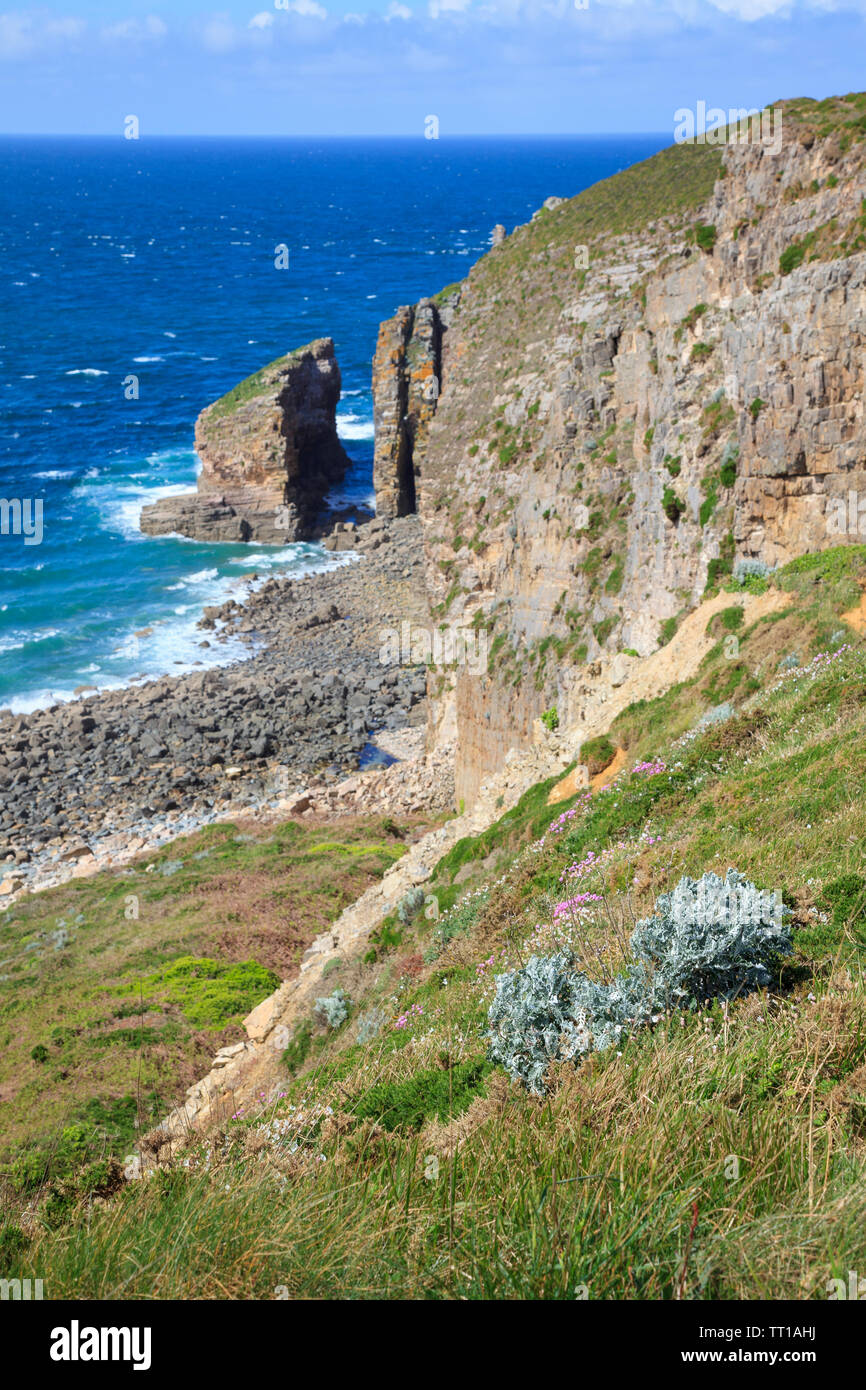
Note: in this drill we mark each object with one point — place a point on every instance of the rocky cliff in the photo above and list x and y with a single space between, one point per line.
269 453
407 380
656 378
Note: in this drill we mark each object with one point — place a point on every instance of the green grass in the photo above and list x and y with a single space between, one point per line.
252 386
159 966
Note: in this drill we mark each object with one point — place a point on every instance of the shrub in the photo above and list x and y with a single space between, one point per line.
688 322
333 1010
427 1094
705 235
717 715
410 905
597 754
728 470
671 505
708 938
731 618
711 938
550 719
711 497
370 1025
744 569
791 258
538 1017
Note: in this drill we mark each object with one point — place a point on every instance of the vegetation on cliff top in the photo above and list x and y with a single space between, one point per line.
255 385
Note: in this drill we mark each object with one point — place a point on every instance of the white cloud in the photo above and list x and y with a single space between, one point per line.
751 9
22 34
437 7
308 8
262 20
398 11
136 29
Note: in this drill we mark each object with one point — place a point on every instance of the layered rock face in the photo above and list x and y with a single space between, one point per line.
655 379
269 453
407 383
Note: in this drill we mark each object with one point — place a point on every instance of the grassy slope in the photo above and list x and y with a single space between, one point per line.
158 964
406 1167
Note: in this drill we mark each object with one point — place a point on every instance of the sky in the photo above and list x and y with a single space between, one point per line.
353 68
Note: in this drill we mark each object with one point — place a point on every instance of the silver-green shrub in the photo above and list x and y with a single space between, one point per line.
410 904
747 568
711 937
333 1010
370 1025
706 939
719 714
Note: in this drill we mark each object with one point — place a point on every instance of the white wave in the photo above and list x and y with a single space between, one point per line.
55 473
304 557
201 577
85 371
14 641
148 359
353 426
120 506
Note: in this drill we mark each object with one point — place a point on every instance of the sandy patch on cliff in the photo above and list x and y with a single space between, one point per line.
608 773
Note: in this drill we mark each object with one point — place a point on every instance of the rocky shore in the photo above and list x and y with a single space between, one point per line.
98 780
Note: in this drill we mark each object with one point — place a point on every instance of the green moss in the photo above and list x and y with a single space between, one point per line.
209 993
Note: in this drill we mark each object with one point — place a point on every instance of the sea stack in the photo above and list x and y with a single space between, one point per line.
269 453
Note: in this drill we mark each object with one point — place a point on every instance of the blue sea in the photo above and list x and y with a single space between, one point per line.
154 259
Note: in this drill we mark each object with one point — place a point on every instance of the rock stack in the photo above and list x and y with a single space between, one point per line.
269 453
